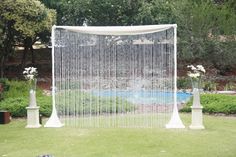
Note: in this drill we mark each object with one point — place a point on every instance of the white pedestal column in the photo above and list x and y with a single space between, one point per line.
33 117
197 118
32 112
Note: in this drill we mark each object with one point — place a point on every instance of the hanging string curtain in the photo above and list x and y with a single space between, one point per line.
114 76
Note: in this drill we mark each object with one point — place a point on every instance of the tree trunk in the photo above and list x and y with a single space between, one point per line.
2 66
23 60
32 54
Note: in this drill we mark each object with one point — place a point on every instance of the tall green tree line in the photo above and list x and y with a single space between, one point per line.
206 28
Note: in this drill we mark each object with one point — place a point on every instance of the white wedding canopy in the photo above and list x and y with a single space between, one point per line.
114 76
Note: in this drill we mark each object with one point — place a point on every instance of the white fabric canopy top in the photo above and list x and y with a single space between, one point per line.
117 30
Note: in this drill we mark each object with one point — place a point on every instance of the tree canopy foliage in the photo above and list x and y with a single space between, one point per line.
206 32
24 21
206 28
27 17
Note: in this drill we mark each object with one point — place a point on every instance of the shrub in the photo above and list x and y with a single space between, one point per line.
19 89
16 99
45 103
215 103
5 84
17 106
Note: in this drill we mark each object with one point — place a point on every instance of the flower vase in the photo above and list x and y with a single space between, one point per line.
32 109
32 93
196 83
33 84
197 117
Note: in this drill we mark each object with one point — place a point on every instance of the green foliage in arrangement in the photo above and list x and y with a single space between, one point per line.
16 99
215 103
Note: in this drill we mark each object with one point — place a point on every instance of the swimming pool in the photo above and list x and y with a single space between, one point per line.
145 96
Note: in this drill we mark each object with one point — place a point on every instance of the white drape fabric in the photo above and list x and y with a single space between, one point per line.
118 30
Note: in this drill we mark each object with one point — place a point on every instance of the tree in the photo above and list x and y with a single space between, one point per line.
24 21
206 31
72 13
113 12
6 41
1 46
95 13
155 12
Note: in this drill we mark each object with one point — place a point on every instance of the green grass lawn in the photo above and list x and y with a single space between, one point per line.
218 139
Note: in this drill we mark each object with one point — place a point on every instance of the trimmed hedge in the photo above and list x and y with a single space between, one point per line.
215 103
17 106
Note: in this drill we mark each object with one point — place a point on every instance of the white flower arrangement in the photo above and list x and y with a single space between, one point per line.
30 73
196 72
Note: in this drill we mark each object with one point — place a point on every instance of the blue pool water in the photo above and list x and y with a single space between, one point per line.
145 96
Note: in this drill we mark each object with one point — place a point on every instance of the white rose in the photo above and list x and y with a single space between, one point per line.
193 68
27 69
32 71
190 66
194 75
190 74
31 77
197 75
201 68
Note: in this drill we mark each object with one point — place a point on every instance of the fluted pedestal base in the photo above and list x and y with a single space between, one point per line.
33 117
197 119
